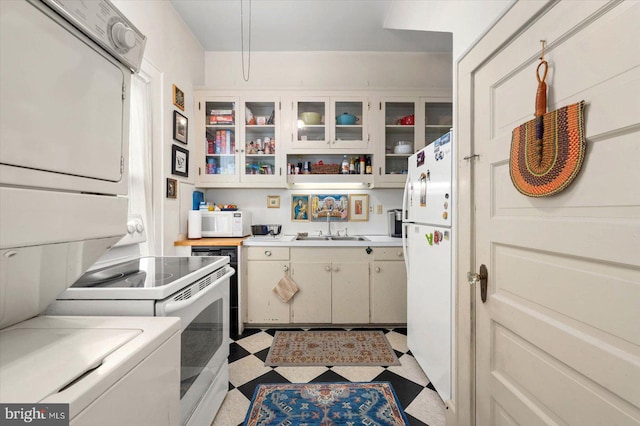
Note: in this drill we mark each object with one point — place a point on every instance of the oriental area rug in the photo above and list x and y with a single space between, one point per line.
331 348
326 404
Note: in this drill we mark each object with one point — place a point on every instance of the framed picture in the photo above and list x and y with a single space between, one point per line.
180 127
172 188
273 201
178 97
179 161
300 207
359 207
329 207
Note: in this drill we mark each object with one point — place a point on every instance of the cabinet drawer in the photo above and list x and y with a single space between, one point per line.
388 253
268 253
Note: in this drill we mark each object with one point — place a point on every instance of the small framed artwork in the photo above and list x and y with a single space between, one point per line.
179 161
359 207
178 97
329 207
172 188
300 207
180 127
273 201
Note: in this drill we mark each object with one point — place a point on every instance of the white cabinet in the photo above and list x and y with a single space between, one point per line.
322 123
438 118
398 128
265 267
388 286
337 283
312 303
407 125
238 141
350 292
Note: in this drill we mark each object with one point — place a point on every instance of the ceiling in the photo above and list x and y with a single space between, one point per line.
303 25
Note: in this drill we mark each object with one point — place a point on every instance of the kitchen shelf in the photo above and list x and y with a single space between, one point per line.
320 180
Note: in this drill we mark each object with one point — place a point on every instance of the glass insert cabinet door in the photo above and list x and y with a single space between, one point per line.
437 120
261 142
310 130
400 136
328 123
221 133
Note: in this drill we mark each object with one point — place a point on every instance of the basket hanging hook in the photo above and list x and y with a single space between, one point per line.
541 95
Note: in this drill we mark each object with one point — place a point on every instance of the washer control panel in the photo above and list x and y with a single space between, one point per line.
106 25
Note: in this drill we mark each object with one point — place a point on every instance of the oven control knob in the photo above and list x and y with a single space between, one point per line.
131 229
139 227
123 36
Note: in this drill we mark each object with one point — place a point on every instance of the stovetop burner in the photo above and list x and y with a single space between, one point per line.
143 272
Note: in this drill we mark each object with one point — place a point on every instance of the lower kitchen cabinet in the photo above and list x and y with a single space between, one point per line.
265 267
312 303
388 287
350 293
343 285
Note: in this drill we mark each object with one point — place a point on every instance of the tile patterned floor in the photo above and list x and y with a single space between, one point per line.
248 352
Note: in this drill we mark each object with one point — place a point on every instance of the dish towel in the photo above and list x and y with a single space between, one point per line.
285 289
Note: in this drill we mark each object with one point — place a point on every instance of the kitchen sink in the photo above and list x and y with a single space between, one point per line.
331 238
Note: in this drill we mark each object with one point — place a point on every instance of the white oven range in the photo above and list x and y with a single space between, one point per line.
195 289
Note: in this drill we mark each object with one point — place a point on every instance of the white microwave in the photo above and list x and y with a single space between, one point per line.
226 224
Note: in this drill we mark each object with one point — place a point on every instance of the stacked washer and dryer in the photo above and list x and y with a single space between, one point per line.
65 72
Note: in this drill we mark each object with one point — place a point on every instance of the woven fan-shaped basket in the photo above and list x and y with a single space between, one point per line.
547 152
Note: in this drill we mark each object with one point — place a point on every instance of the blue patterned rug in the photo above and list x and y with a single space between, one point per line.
326 404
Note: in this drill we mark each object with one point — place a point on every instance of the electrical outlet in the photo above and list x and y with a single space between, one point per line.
379 209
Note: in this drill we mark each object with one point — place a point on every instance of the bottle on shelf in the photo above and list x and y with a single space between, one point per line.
345 165
352 168
368 166
362 165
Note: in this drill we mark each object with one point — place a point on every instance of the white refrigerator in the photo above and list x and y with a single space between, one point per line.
427 240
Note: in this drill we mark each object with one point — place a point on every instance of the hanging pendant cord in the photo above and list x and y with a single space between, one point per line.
245 76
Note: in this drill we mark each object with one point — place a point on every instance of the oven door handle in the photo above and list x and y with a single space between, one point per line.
172 307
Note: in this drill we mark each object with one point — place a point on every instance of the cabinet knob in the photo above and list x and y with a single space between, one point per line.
267 253
336 269
285 268
377 269
399 254
327 268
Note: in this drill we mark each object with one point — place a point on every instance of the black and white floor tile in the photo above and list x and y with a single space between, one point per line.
248 352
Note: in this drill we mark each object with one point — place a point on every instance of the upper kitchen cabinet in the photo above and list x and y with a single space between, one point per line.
438 119
323 123
238 142
400 131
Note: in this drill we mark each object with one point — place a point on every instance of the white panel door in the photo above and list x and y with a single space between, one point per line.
429 303
558 338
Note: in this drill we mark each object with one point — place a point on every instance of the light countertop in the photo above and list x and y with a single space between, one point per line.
290 241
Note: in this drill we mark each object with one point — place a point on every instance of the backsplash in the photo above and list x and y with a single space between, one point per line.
256 201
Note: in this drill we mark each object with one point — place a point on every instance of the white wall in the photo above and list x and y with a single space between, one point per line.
466 19
330 70
172 50
255 201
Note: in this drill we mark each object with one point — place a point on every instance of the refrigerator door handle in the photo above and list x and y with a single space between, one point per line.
404 198
404 248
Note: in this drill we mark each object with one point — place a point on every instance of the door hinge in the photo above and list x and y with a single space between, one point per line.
280 169
199 171
121 165
124 92
199 106
368 137
368 106
380 106
279 106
